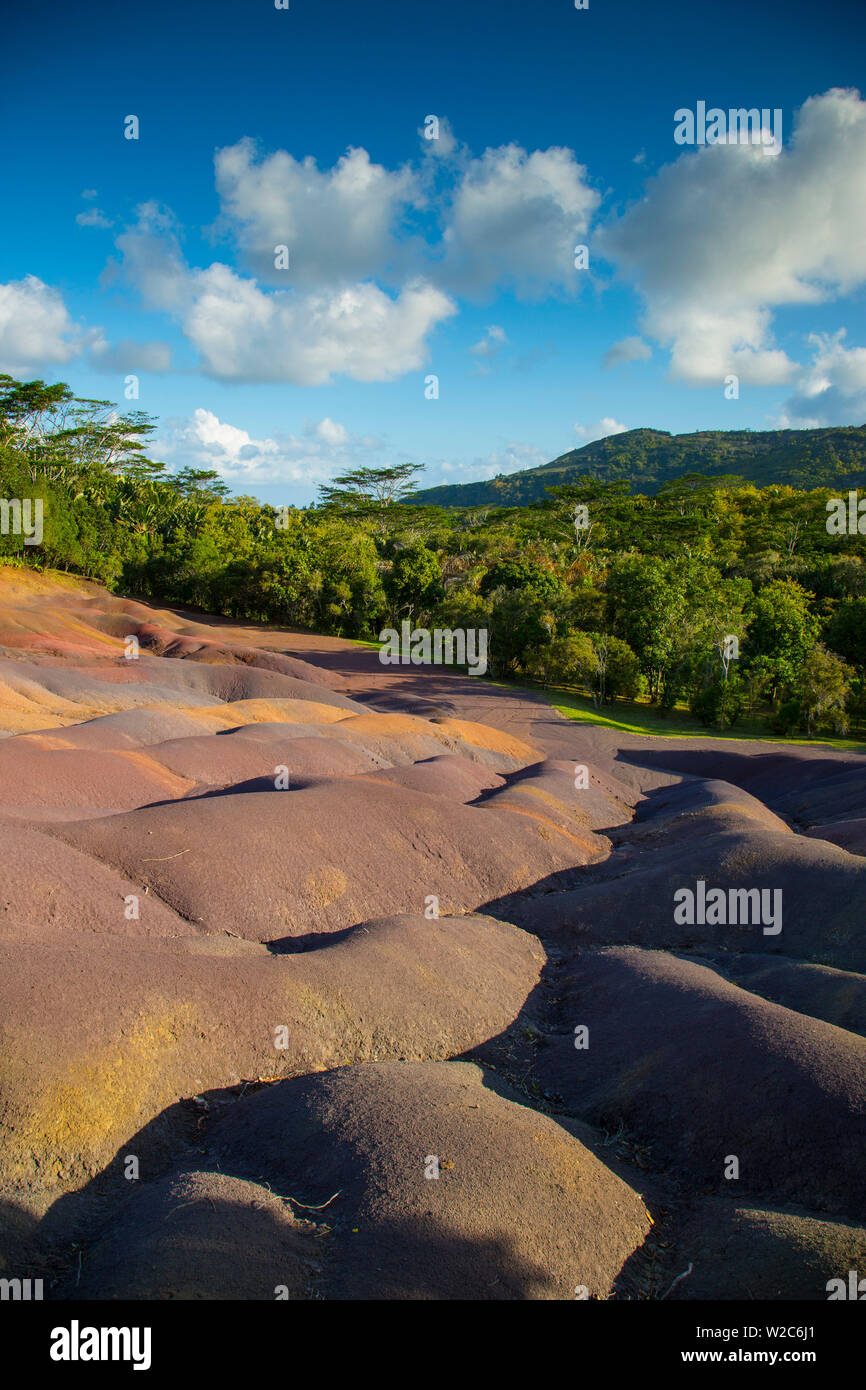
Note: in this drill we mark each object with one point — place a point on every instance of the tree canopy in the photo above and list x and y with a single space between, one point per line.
713 591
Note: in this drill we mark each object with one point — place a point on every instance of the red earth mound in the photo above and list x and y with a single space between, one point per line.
232 946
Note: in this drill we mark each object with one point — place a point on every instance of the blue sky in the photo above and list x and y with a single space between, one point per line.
453 257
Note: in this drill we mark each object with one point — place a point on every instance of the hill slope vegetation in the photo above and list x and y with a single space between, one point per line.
647 459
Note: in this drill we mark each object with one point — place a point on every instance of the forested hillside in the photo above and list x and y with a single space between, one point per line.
595 588
834 458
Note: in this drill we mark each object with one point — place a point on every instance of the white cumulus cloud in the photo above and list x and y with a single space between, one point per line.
338 224
203 440
363 289
35 326
600 430
93 217
515 219
726 235
832 389
494 339
511 458
246 333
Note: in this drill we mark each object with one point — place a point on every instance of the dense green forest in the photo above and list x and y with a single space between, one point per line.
594 587
834 458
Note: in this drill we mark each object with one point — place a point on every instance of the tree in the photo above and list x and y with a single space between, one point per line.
63 436
718 701
198 484
351 599
521 628
414 583
518 574
570 660
25 405
846 633
673 614
783 631
377 493
823 687
617 668
820 695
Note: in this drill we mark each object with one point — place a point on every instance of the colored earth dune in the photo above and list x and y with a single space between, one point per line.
324 979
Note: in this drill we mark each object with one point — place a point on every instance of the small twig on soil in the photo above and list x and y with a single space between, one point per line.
163 859
305 1207
685 1274
193 1202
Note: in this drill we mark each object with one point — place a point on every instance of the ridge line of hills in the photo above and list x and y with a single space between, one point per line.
832 457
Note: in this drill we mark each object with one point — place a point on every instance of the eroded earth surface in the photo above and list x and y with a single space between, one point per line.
324 979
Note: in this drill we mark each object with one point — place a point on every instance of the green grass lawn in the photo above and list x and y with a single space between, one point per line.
635 717
638 717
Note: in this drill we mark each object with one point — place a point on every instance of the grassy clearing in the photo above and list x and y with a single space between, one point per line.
637 717
634 717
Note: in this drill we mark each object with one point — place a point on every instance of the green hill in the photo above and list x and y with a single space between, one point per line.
834 458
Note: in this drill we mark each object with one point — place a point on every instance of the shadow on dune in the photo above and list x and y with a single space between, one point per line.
312 941
770 776
206 1262
159 1239
48 1248
18 1236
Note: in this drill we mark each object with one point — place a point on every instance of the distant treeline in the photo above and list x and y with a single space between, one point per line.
726 595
